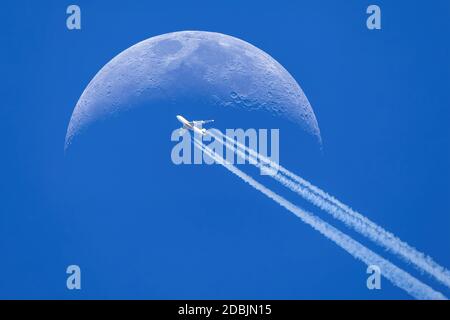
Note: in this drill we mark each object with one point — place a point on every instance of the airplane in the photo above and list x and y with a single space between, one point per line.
195 126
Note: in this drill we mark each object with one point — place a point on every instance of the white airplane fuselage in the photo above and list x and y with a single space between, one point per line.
191 125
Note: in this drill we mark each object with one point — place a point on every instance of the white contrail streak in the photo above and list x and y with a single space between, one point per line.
397 276
344 213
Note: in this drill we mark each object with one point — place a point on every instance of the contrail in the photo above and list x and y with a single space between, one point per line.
344 213
394 274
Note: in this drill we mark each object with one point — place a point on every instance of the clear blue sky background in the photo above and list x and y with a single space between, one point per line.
140 227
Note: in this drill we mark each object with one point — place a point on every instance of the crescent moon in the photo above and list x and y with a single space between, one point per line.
220 69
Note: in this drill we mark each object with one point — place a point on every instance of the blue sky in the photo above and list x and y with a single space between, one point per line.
140 227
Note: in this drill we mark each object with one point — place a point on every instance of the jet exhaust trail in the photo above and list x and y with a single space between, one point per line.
343 213
397 276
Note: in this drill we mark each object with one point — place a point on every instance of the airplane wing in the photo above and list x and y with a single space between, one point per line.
201 122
